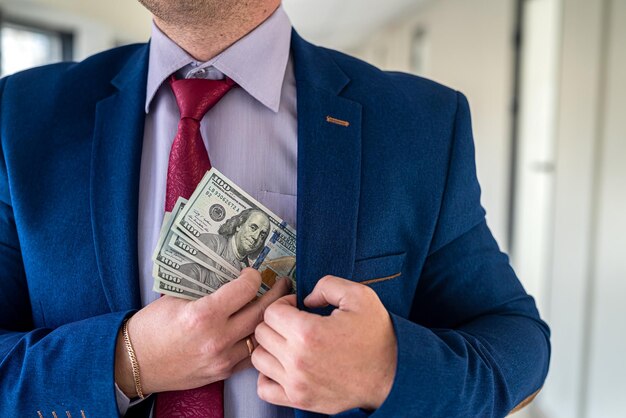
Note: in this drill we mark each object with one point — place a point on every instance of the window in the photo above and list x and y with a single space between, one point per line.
24 46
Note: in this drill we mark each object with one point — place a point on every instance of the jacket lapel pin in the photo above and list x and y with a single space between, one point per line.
336 121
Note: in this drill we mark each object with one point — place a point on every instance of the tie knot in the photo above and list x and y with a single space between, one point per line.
196 96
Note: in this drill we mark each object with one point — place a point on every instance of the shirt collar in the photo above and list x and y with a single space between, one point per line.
256 62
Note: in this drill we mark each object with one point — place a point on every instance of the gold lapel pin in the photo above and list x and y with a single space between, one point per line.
336 121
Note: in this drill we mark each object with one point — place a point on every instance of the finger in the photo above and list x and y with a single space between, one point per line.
241 350
234 295
245 321
243 365
267 364
283 316
251 344
270 391
291 300
331 290
270 340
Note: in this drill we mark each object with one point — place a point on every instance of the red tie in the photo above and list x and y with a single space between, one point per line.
189 160
188 163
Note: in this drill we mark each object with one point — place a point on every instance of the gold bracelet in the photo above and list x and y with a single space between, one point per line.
133 360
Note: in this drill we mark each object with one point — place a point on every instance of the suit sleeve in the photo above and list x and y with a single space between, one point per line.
474 345
70 368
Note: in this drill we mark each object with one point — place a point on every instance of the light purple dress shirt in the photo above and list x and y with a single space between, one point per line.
251 137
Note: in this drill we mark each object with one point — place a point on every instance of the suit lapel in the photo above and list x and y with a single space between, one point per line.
329 166
116 158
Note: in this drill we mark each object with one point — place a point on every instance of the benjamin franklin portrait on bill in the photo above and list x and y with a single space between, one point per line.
240 239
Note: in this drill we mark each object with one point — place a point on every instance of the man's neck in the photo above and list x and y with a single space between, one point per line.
212 37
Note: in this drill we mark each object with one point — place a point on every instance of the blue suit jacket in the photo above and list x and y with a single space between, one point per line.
393 195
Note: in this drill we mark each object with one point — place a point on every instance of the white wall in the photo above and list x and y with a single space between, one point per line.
606 387
470 48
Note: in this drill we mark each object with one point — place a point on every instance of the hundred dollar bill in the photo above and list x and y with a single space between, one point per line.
172 290
165 226
195 276
173 278
226 223
167 289
206 278
186 247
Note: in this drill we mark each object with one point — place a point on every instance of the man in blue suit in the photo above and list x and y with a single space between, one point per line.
428 318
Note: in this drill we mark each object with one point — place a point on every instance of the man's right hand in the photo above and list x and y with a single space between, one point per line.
183 344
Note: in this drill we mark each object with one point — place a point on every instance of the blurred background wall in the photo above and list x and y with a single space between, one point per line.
546 80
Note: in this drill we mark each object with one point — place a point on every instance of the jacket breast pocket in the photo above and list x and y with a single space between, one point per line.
384 276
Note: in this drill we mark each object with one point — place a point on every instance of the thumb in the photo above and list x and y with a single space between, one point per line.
331 290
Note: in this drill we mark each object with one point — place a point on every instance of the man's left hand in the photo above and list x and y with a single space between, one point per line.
327 364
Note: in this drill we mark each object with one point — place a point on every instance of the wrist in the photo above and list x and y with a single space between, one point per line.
384 390
385 376
378 394
123 368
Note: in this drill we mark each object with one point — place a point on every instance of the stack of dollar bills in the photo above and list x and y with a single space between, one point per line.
205 242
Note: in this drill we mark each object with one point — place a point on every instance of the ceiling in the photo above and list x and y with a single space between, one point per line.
338 24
